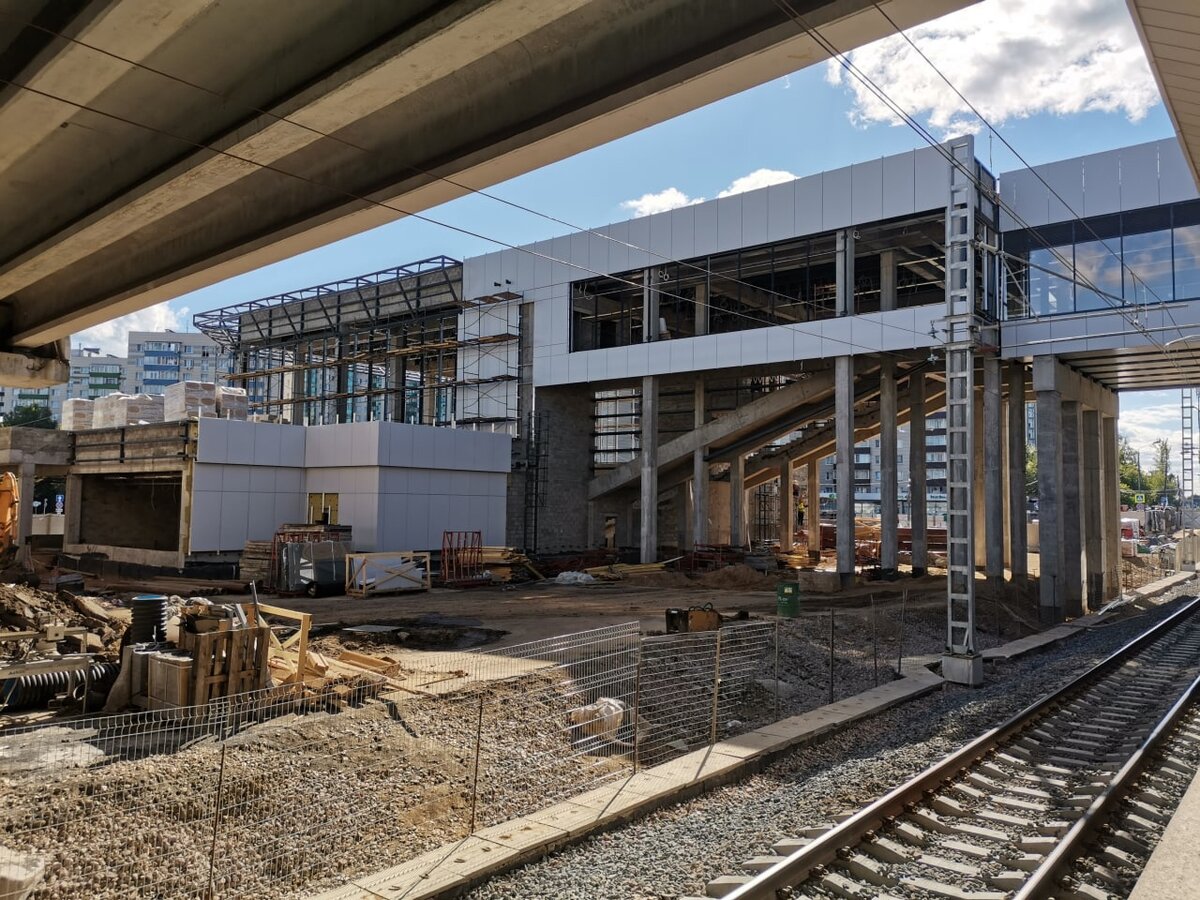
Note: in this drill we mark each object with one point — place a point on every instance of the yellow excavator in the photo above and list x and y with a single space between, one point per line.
9 504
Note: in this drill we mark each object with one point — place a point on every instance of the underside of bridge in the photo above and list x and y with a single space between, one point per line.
148 149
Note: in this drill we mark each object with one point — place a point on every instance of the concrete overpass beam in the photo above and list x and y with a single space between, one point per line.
737 501
787 507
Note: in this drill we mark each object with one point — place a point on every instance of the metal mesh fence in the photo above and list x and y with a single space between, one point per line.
285 791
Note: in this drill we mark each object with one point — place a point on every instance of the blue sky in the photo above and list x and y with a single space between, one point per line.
1060 78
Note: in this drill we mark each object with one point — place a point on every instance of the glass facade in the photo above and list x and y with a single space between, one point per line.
1144 256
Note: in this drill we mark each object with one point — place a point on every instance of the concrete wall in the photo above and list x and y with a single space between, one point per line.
122 512
399 486
903 184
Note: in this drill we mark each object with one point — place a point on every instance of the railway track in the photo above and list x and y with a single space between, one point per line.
1066 799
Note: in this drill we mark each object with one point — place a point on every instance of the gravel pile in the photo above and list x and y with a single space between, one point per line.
305 801
679 849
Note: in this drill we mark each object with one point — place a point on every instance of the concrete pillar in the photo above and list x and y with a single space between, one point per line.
887 280
844 272
993 474
787 506
889 488
649 307
977 468
699 470
649 460
25 507
1049 450
812 508
701 309
1110 508
844 434
737 501
1072 512
1093 525
1018 543
917 483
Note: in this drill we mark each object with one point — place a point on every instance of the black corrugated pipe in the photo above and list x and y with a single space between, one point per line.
31 691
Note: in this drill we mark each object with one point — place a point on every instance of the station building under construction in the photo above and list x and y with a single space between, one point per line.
660 374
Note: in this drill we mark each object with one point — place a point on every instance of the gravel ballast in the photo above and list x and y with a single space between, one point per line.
677 850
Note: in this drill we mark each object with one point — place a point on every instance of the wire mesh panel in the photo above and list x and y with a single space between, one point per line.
285 791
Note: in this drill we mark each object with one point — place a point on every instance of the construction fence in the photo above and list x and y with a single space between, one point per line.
277 793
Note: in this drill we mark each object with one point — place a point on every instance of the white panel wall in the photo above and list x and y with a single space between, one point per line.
399 486
899 185
1098 184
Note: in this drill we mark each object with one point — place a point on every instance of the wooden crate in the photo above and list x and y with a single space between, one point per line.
368 574
168 680
228 662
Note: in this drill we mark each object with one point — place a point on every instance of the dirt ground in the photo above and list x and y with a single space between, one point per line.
544 609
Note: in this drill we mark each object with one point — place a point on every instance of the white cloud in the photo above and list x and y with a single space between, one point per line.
112 336
649 204
674 198
1012 59
759 178
1158 419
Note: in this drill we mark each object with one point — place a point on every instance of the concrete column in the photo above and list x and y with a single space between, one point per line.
649 459
993 474
699 470
887 280
25 507
1049 450
889 488
1072 512
917 483
812 508
1018 543
844 272
701 309
787 506
1093 526
1110 508
844 434
737 501
649 307
977 469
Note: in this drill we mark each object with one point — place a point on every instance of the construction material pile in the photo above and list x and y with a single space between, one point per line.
509 564
118 410
77 414
28 609
232 403
189 400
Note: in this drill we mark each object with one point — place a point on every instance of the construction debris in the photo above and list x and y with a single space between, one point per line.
28 609
617 571
508 564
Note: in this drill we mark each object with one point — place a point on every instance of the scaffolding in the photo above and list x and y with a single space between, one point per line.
1187 470
398 345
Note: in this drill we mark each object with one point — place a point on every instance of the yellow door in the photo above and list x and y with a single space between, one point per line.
322 505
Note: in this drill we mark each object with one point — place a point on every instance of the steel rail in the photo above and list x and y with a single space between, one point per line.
797 867
1044 879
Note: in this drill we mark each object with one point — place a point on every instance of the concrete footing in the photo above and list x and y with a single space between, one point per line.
966 670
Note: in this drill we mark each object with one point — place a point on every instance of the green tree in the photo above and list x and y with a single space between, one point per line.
1031 472
1132 479
31 415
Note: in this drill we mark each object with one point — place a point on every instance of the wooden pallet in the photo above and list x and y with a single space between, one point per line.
228 662
387 573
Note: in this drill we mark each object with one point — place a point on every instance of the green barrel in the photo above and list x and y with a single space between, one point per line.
787 599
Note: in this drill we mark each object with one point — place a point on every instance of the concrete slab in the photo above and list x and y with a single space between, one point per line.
1155 588
429 874
1029 644
1174 866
